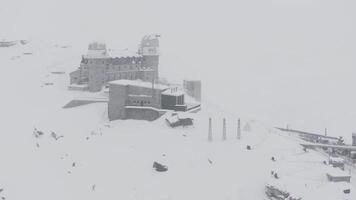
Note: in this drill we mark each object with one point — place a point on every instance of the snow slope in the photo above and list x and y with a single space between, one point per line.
98 159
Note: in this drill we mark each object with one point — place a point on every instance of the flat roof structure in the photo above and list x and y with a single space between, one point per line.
139 84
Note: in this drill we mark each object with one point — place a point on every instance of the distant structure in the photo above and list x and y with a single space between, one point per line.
131 79
353 139
193 88
130 99
337 175
312 137
9 43
100 65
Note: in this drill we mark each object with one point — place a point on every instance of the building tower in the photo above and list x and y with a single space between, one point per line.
149 49
353 139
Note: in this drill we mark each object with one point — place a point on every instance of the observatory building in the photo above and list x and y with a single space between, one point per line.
100 65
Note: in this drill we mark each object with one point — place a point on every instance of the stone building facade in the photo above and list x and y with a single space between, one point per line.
100 66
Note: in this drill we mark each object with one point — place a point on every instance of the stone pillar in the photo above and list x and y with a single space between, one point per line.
210 133
224 130
238 129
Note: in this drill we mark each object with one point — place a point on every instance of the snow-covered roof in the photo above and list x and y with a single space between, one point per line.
138 83
332 171
336 159
122 53
151 37
139 95
173 92
173 119
96 54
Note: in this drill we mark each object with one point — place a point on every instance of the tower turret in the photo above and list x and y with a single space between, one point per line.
149 49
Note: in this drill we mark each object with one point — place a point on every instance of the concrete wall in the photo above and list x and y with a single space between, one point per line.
121 96
155 94
142 114
338 178
117 101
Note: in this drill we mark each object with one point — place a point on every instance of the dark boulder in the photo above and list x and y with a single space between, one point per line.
347 191
159 167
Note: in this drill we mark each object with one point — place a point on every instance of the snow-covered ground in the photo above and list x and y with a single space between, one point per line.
98 159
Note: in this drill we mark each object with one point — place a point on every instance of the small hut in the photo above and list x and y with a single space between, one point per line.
337 175
175 120
337 162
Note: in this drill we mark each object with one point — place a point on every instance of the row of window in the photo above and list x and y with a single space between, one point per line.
122 67
138 102
117 76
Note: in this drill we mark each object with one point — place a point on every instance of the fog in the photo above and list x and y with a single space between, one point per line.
280 61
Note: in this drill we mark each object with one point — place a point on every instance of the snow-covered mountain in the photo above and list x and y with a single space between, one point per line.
98 159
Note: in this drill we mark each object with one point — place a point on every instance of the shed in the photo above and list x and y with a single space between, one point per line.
176 120
337 162
337 175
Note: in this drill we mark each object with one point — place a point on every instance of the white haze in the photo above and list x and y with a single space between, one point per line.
282 61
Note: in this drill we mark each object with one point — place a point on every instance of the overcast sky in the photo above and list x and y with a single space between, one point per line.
287 61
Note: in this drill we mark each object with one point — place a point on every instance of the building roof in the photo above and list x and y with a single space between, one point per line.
336 159
173 92
336 172
307 133
96 54
122 53
138 83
